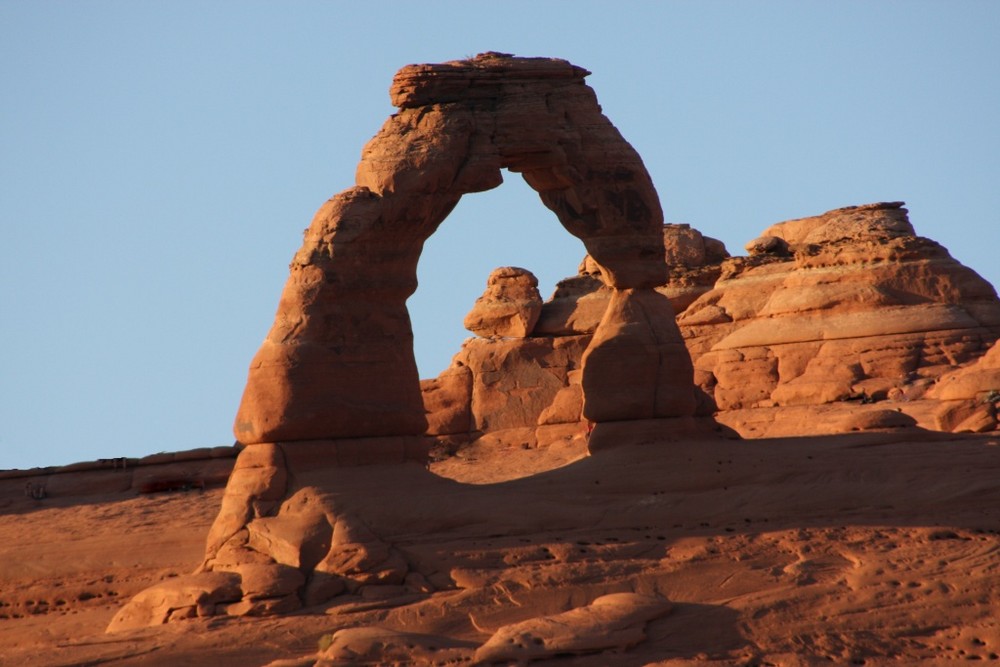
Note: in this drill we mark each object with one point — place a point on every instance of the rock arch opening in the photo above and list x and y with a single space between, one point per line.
504 226
338 362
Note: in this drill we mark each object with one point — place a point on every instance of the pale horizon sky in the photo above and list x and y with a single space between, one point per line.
160 160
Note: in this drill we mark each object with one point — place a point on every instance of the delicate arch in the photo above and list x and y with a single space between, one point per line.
338 361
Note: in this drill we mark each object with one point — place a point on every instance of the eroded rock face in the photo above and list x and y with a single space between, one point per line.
335 383
850 305
338 362
510 306
859 306
969 395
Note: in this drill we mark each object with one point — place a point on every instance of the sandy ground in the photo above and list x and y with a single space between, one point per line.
866 549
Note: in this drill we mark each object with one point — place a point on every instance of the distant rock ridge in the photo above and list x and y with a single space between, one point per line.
851 305
860 306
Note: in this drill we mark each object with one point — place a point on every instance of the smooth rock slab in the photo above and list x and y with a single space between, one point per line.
184 597
609 622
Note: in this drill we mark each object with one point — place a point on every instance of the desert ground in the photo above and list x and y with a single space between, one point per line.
873 548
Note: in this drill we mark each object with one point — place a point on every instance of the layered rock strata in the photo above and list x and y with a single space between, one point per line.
848 308
850 304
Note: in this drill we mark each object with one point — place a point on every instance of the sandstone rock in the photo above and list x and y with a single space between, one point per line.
502 384
259 476
637 367
184 597
693 266
338 362
975 381
576 307
359 557
447 400
322 587
879 221
867 420
264 606
335 383
615 621
768 245
373 645
509 307
861 305
298 536
687 247
982 420
269 580
567 405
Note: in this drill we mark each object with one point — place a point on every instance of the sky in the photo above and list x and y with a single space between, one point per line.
160 159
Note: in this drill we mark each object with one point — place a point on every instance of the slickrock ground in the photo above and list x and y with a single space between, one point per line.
875 548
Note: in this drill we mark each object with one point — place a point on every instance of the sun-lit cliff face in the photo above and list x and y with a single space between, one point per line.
832 323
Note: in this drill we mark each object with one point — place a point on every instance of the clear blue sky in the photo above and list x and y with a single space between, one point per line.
159 161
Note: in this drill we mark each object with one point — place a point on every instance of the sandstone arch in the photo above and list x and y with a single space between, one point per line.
338 362
335 385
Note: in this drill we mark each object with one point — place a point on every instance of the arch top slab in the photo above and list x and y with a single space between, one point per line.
338 362
534 116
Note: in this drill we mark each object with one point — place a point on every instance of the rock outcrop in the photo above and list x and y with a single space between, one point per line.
335 383
510 306
615 621
852 304
969 395
338 362
849 308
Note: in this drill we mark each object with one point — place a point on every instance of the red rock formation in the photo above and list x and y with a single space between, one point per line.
849 305
335 383
510 306
859 307
969 395
338 362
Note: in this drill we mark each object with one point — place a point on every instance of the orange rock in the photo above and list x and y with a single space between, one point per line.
862 305
513 381
448 401
510 306
338 361
637 366
185 597
615 621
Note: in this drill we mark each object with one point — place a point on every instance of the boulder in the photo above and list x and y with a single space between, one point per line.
615 621
510 306
177 599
